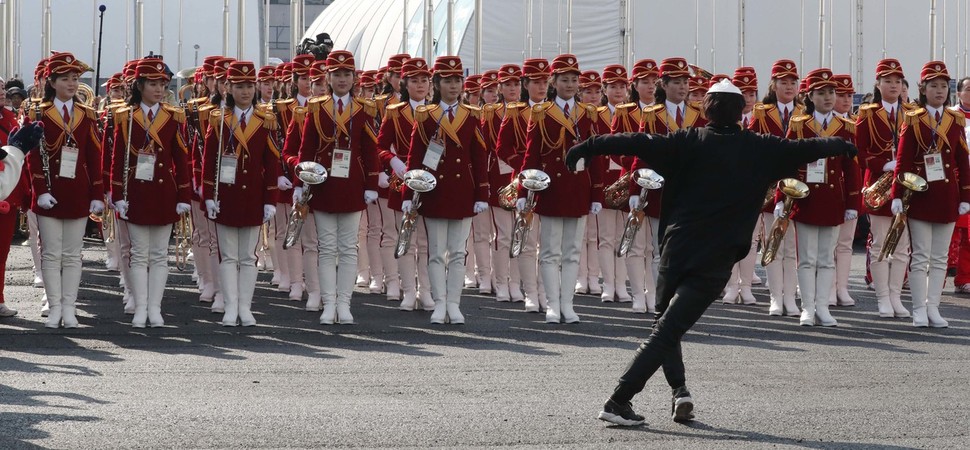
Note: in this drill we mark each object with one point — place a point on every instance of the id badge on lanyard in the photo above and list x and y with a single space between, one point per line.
340 166
227 170
145 169
815 172
934 166
68 162
436 149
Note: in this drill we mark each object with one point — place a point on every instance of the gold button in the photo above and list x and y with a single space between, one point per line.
558 159
245 171
457 175
558 174
160 181
832 186
159 164
244 186
946 165
831 171
457 160
947 180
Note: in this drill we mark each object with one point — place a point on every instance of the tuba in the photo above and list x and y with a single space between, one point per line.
912 183
793 190
183 241
311 174
508 194
876 195
419 181
617 195
647 180
533 180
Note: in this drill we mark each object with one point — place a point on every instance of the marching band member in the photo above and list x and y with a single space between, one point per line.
932 145
843 248
772 116
697 90
339 134
557 125
445 134
368 84
877 135
742 275
478 267
511 148
150 184
241 161
591 93
627 118
370 224
505 273
33 234
123 239
962 278
834 185
66 184
115 100
265 94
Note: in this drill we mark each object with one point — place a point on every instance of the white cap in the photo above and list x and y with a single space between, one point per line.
724 86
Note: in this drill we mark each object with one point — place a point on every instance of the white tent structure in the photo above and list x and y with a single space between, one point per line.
847 36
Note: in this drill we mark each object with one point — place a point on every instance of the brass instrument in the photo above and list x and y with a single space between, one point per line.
769 198
85 94
617 195
183 241
126 168
419 181
533 180
23 224
876 195
215 192
394 182
793 190
912 183
106 219
311 174
264 237
45 157
647 180
508 194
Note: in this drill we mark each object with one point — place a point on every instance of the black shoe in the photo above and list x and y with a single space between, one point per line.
682 405
618 414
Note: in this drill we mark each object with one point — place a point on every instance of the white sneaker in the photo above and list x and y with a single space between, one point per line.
38 281
7 312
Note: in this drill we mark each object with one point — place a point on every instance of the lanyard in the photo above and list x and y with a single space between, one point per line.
934 132
350 123
67 127
438 124
568 116
148 135
232 129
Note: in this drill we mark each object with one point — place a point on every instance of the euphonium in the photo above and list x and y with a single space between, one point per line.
311 174
533 180
394 182
419 181
23 224
912 183
617 195
183 241
876 195
793 190
647 180
508 194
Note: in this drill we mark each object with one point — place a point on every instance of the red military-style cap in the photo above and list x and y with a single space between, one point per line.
644 68
535 68
933 70
784 68
509 72
819 78
241 72
116 80
40 68
745 79
489 79
341 59
221 67
265 73
566 63
717 78
209 63
590 78
128 71
63 62
396 63
889 66
300 66
286 72
614 73
843 84
448 66
698 84
674 68
151 69
415 67
317 70
473 84
368 78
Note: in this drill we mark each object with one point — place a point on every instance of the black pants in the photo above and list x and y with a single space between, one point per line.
684 295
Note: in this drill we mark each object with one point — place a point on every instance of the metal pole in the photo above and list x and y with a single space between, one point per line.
178 44
542 19
559 37
831 28
478 36
528 25
225 28
885 26
943 42
933 29
128 31
801 50
821 33
740 33
450 27
713 36
139 28
240 26
631 55
697 27
97 70
265 58
569 26
858 45
94 32
428 31
15 26
4 38
161 27
45 46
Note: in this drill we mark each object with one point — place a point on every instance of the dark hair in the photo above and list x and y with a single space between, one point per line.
962 83
405 96
551 90
722 108
14 82
922 96
435 89
135 97
524 90
660 95
230 102
49 91
772 97
809 104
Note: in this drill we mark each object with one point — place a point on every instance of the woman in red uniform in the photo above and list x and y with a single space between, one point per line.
150 185
843 248
240 174
834 186
932 145
591 93
556 126
339 134
478 267
447 142
66 182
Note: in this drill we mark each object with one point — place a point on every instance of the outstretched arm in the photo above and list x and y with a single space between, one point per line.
658 151
788 155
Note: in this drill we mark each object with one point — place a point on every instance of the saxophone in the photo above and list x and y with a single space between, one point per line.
419 181
311 174
533 180
793 190
912 183
647 180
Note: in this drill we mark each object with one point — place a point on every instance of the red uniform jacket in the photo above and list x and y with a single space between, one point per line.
826 202
8 121
462 173
550 136
656 120
939 203
394 139
499 172
766 119
73 195
512 135
296 118
241 203
877 140
627 118
151 201
326 130
612 164
197 110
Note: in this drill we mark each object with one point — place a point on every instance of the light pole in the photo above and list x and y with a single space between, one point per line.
196 63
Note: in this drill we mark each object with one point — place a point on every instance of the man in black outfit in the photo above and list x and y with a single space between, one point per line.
716 179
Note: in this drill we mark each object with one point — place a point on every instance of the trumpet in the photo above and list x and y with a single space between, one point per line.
311 174
533 180
876 195
647 180
912 183
793 190
617 194
183 243
419 181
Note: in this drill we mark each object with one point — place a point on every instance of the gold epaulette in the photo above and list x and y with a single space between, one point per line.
284 102
475 111
491 107
121 114
88 111
865 111
913 116
369 106
760 110
539 110
798 122
423 111
958 116
848 123
177 113
269 119
313 105
396 106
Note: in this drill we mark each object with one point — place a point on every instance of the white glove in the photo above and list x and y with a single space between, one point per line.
595 208
964 208
122 207
398 166
406 206
297 193
212 208
268 212
520 205
97 207
480 207
779 209
283 184
634 202
46 201
889 167
851 214
370 197
897 206
107 201
383 180
182 208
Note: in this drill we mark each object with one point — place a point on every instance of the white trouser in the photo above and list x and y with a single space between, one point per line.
560 241
481 237
743 270
292 255
337 235
413 266
363 260
308 236
446 257
642 282
589 261
209 248
782 272
113 248
387 239
927 273
148 270
61 242
843 258
609 230
281 257
504 273
816 261
372 242
237 270
33 239
528 263
889 274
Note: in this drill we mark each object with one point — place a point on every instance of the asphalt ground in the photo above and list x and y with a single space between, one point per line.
504 378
